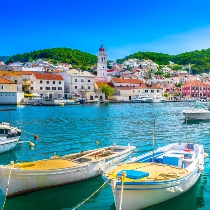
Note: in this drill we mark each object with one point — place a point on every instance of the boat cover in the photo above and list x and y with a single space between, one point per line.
133 174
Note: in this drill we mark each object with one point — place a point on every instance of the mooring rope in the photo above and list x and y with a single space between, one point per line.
91 195
5 198
27 132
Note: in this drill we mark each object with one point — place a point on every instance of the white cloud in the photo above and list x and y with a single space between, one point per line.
196 39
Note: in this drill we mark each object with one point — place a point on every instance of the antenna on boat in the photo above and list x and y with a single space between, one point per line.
153 142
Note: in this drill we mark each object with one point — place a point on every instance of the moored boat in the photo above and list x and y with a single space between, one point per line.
156 176
60 170
200 112
159 99
7 142
10 131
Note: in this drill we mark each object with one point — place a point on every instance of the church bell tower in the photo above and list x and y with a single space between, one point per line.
102 64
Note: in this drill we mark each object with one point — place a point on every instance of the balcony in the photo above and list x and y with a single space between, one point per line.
26 82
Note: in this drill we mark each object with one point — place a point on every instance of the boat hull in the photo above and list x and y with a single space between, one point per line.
8 144
29 180
196 116
143 196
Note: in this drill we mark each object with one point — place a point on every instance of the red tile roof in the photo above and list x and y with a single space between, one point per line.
195 83
130 81
6 81
48 76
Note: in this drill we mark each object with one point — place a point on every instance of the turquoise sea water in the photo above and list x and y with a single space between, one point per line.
71 129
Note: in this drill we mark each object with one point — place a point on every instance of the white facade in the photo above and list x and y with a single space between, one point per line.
77 82
102 64
47 85
11 97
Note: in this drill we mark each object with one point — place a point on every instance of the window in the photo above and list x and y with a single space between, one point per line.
47 88
53 88
82 87
89 80
75 80
32 88
2 87
40 88
146 91
40 81
31 82
88 87
133 91
59 88
158 91
47 82
75 87
16 81
53 82
82 80
59 82
152 91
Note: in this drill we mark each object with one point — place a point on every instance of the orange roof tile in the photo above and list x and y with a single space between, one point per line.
131 81
195 83
48 76
6 81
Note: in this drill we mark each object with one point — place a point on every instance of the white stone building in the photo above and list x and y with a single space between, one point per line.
9 93
47 85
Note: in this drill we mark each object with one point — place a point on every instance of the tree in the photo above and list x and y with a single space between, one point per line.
107 90
179 84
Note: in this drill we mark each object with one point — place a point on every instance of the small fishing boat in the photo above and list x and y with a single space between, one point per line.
156 176
200 112
29 176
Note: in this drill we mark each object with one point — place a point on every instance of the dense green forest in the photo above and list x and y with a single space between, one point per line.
55 55
159 58
4 58
199 59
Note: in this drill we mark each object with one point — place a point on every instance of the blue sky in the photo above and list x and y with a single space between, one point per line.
125 26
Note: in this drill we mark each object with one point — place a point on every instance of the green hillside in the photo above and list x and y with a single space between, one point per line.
55 55
199 59
4 58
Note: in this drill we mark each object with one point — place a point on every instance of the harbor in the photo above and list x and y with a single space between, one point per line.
64 130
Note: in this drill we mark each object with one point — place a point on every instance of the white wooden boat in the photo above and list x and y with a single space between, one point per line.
67 169
200 112
151 179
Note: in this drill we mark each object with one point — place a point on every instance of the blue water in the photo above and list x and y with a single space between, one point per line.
69 129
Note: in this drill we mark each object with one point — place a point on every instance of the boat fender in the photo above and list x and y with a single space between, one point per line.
205 155
200 168
35 137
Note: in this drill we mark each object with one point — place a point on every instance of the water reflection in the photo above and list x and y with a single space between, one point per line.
190 200
64 197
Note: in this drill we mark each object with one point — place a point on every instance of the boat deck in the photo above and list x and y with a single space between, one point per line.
68 161
157 172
